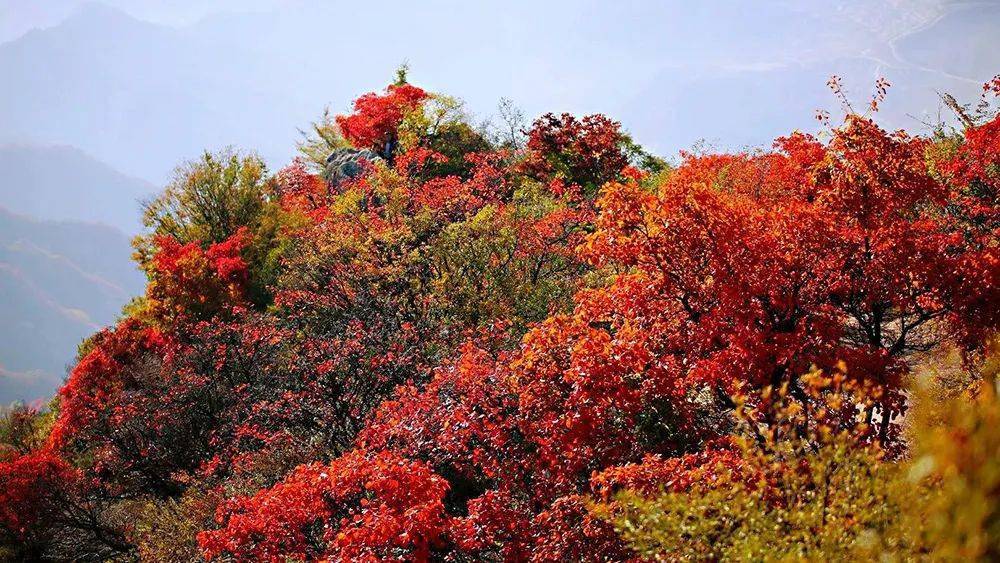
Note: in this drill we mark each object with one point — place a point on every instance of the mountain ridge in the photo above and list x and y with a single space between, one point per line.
59 282
62 182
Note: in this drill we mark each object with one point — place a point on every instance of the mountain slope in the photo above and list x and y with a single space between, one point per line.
63 183
59 282
139 96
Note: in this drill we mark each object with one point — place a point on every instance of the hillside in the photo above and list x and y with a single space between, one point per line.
59 282
60 183
429 341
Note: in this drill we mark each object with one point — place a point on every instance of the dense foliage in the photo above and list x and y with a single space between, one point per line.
439 342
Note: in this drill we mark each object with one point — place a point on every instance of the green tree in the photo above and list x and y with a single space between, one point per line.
209 200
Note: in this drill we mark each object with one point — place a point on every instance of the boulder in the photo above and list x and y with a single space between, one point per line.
347 163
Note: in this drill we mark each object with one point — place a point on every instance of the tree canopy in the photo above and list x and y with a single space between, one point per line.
547 345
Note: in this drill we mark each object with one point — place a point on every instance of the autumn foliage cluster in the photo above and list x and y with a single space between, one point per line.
448 343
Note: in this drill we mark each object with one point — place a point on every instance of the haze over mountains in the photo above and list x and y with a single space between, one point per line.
59 282
102 103
65 267
64 183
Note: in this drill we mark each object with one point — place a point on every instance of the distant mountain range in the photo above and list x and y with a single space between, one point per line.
65 259
59 282
63 183
143 97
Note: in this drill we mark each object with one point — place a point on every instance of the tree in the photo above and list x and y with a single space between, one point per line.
210 198
376 118
562 351
323 138
31 483
813 489
218 198
46 512
587 152
188 283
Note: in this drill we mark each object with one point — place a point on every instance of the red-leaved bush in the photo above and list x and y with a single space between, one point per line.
361 507
29 497
377 116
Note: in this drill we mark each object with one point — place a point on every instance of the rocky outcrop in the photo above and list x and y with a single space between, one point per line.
347 163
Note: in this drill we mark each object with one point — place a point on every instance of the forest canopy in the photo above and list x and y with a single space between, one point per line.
431 340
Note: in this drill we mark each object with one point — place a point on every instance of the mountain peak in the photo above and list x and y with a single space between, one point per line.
99 11
97 19
84 24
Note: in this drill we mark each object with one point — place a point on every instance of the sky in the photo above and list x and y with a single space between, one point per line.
21 16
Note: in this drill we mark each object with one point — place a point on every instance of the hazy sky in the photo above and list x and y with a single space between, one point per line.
20 16
733 32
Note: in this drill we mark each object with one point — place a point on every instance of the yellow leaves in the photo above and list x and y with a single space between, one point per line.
814 507
793 410
424 120
921 468
348 202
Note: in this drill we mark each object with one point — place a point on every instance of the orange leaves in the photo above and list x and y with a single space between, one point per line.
622 220
881 89
190 282
872 177
747 269
978 158
733 277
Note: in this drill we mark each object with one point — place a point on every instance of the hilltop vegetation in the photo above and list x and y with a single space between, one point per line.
429 341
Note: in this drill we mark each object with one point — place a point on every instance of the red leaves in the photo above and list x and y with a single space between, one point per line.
361 507
655 475
872 177
586 152
973 171
226 258
733 277
303 191
566 531
578 398
978 158
457 422
377 116
101 378
188 282
31 484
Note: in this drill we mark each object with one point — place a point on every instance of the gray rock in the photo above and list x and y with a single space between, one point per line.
346 163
